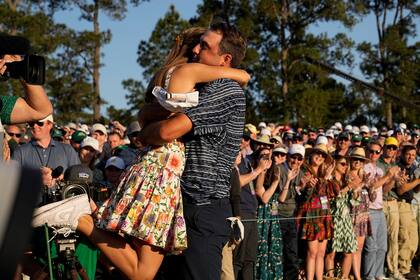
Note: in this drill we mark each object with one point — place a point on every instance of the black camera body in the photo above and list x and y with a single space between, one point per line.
31 68
78 179
65 189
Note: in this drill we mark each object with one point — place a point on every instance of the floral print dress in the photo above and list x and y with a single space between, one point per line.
147 203
269 265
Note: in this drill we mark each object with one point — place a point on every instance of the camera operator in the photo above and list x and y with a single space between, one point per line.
49 155
34 106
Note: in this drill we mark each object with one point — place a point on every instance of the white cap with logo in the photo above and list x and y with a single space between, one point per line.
297 149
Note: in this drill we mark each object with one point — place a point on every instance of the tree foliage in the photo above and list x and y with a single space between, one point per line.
392 62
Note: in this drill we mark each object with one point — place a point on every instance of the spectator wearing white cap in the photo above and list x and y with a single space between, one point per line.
374 131
89 149
99 133
265 131
348 128
356 130
287 208
262 125
279 154
330 136
338 126
364 131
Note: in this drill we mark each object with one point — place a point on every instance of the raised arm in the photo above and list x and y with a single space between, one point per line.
161 132
35 106
188 75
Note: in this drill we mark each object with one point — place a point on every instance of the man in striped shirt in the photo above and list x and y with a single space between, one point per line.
212 135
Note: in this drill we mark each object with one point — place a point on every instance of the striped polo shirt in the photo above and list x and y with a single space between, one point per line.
212 145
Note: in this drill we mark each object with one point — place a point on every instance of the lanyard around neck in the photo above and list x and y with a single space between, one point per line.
40 157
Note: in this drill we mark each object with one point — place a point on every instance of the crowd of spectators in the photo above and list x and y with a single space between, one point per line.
310 198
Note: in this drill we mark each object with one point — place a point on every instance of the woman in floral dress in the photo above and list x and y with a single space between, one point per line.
269 265
315 221
147 205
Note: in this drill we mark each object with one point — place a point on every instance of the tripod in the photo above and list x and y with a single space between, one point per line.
67 265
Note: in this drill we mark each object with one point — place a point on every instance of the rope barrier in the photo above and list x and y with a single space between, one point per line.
314 217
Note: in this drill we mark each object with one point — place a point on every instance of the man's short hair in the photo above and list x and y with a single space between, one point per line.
406 148
232 42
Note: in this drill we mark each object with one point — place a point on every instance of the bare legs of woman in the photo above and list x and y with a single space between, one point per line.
136 260
357 258
330 264
345 265
315 259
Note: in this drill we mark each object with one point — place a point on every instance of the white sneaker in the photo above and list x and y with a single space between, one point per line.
64 213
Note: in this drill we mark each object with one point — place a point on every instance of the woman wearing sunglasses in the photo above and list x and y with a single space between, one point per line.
269 263
360 205
316 224
344 237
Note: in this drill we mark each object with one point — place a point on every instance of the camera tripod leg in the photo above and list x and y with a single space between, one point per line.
82 272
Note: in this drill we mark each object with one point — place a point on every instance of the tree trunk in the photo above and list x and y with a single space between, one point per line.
284 52
96 64
388 112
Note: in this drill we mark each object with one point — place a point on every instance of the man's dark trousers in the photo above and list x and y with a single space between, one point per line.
290 248
207 231
245 254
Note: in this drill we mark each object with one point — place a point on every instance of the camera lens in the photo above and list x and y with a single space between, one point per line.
72 190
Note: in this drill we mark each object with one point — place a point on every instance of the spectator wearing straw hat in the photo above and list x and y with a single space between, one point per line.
360 202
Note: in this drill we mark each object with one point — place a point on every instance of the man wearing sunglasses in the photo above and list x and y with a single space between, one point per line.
343 144
15 134
390 206
287 207
44 153
375 246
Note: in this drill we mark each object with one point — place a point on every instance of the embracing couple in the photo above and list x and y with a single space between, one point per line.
175 198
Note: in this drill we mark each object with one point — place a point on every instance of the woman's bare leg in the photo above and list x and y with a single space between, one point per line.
136 260
310 259
330 264
357 257
319 262
346 265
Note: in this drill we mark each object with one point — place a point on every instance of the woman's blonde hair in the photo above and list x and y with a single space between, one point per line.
181 53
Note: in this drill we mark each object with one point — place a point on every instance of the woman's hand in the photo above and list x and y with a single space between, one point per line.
329 170
244 78
306 179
